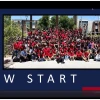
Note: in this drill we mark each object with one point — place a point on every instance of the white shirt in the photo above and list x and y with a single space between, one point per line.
98 57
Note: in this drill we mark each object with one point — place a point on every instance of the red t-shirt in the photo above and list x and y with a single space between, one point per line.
63 43
29 33
20 42
53 51
50 55
44 33
71 48
86 54
47 37
46 51
33 44
71 53
61 49
51 45
15 45
65 49
62 35
21 46
79 54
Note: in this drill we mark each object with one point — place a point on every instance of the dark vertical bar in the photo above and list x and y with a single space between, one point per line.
30 22
22 29
56 21
75 19
57 29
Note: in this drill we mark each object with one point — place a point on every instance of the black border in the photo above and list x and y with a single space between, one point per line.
48 5
49 95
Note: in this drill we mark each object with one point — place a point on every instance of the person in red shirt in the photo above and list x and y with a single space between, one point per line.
86 55
15 46
44 32
30 33
15 49
80 30
71 55
46 50
21 47
33 43
51 55
79 55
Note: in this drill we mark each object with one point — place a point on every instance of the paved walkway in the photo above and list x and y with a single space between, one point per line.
52 64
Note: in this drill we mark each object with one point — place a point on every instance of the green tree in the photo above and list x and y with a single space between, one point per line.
53 22
64 22
71 23
44 22
12 31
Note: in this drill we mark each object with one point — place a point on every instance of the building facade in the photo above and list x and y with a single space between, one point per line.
89 26
85 25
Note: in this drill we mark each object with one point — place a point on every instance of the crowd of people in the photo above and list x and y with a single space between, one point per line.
56 44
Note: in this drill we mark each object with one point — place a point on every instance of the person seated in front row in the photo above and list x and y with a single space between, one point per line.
15 49
66 56
41 56
34 55
50 56
97 58
79 55
86 55
59 59
82 55
71 55
29 54
23 56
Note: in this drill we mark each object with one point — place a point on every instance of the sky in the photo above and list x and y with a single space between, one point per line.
90 18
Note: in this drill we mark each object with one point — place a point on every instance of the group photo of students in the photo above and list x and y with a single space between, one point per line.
56 44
